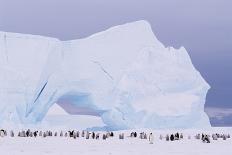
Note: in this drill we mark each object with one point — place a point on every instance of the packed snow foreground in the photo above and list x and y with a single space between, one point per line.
190 142
123 75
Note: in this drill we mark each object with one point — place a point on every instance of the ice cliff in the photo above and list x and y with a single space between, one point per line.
123 75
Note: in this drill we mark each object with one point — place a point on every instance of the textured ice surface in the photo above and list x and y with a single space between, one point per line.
123 75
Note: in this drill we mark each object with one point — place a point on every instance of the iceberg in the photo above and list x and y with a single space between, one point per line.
124 75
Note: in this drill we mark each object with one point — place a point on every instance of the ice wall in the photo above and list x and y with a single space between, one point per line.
123 75
25 64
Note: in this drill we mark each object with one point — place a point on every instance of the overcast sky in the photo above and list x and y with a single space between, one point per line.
203 27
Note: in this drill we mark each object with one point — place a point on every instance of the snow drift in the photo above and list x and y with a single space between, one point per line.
123 75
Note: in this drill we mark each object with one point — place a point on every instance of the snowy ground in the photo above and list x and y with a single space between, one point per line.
114 146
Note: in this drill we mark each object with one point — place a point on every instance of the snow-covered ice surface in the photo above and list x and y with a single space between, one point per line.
58 118
123 75
114 146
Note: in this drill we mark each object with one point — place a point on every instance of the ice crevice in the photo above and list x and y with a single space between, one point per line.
103 69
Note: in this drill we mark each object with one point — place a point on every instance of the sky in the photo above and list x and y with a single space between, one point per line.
203 27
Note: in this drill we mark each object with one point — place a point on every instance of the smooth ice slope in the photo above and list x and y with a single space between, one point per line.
123 75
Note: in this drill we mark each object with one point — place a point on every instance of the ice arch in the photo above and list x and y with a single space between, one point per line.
76 103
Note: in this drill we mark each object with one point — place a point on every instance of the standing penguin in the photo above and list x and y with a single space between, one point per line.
151 138
74 135
104 137
83 134
172 138
181 136
78 133
161 137
145 136
44 134
87 135
97 136
2 133
61 134
35 133
93 135
167 137
40 133
12 133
